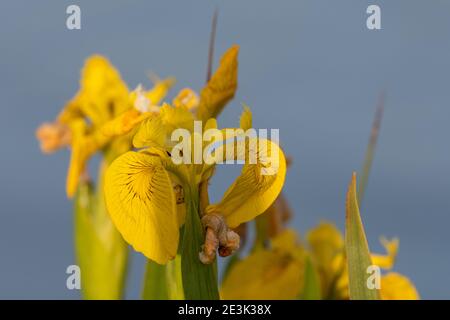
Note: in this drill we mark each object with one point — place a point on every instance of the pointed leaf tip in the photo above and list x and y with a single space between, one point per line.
357 249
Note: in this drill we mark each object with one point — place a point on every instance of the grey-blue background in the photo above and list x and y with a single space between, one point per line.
310 68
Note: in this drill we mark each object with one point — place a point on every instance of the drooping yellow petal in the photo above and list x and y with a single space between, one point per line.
71 111
186 98
386 261
82 148
258 185
395 286
221 87
84 144
141 202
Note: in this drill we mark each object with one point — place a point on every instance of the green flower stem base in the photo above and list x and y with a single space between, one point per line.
163 282
101 253
199 280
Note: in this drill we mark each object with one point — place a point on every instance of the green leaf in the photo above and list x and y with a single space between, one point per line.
199 280
155 284
101 253
163 282
311 289
357 249
371 146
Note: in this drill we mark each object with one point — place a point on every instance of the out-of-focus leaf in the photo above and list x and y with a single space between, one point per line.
371 146
163 282
155 284
357 249
212 41
311 289
101 253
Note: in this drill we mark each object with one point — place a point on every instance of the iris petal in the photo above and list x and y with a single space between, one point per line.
258 185
141 202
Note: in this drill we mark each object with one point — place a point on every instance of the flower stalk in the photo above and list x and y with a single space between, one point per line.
162 282
199 280
100 250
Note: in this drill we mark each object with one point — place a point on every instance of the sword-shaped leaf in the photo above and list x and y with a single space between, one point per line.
357 249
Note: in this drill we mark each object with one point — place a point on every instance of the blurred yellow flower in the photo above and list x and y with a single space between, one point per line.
273 274
395 286
278 271
102 109
327 246
327 249
99 119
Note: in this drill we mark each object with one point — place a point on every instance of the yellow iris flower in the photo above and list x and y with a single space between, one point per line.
103 109
140 196
100 118
142 188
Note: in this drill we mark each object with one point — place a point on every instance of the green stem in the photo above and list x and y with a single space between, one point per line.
199 280
101 253
163 282
311 287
